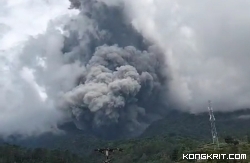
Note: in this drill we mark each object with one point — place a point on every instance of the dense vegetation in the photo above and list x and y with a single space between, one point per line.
147 150
163 142
16 154
198 126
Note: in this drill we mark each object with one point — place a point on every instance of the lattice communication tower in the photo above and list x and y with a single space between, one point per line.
213 128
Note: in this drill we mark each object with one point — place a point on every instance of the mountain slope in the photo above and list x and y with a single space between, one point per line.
176 129
198 126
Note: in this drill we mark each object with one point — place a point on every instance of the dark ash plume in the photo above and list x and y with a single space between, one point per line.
120 91
116 89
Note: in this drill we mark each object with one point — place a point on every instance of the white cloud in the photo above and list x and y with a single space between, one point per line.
24 106
206 45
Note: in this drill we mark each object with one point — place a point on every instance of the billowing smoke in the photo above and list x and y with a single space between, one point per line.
118 89
117 65
206 48
24 107
94 68
119 92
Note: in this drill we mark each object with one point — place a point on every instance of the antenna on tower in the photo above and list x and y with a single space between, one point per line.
213 128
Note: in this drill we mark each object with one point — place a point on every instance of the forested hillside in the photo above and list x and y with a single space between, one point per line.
234 123
176 133
148 150
15 154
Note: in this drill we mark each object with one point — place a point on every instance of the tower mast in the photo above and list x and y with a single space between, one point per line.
213 128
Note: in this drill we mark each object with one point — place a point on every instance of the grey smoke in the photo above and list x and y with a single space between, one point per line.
206 48
118 62
102 75
112 85
119 94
